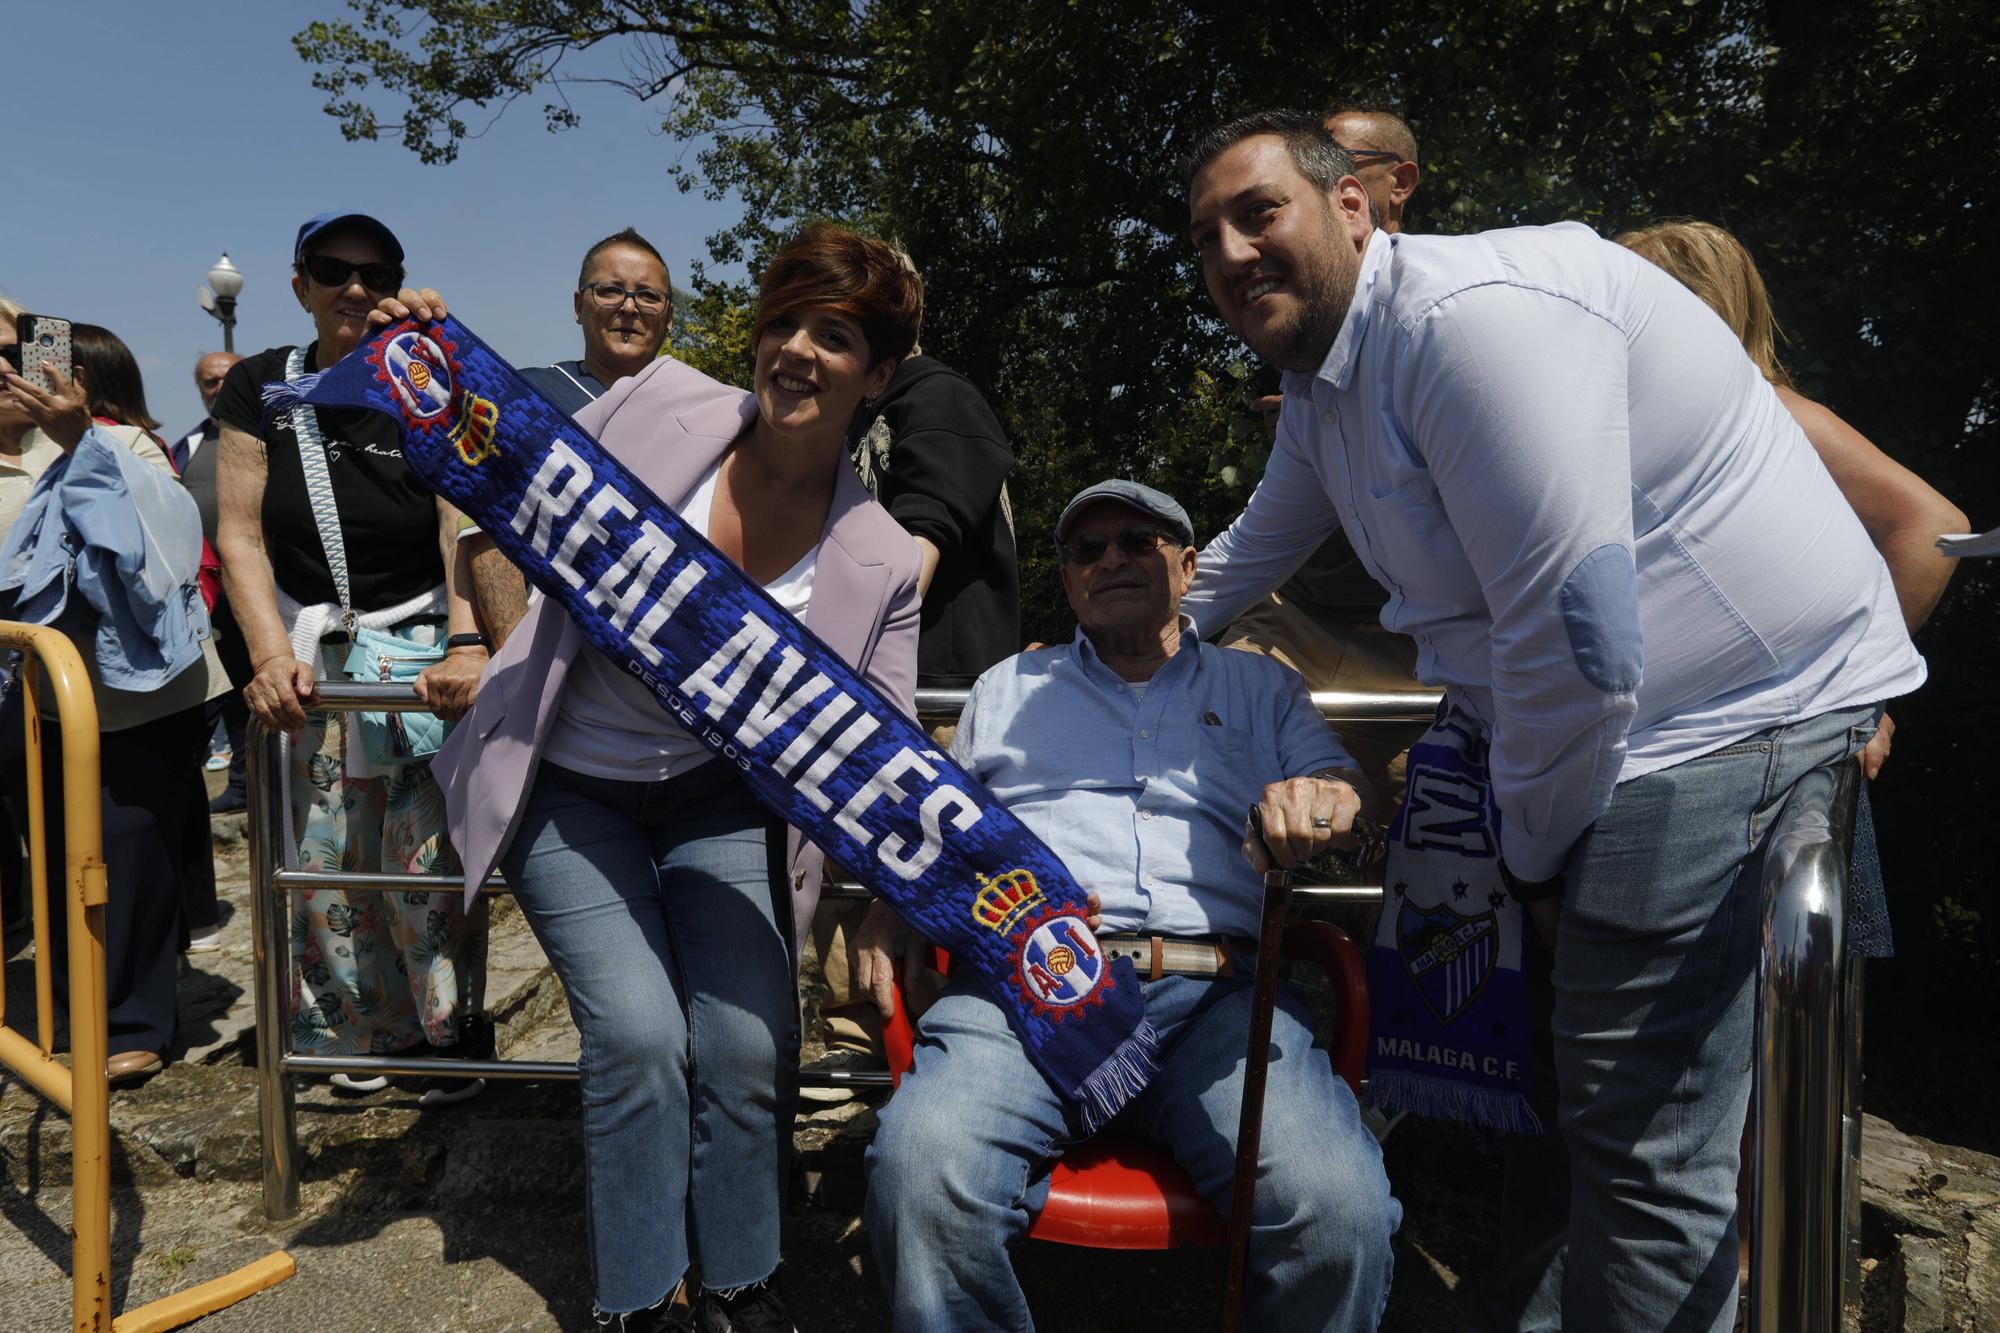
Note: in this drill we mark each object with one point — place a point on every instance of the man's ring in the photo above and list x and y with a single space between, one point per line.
1322 823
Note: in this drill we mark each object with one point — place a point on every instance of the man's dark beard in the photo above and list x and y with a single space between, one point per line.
1324 293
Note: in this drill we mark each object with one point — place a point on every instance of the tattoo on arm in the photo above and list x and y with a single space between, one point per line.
499 593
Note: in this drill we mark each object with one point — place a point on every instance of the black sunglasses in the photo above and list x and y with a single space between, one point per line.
1137 540
11 354
328 271
1356 154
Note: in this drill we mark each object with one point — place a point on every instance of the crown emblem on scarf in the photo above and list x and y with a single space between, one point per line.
474 433
1004 899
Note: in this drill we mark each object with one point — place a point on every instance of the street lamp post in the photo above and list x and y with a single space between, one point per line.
218 298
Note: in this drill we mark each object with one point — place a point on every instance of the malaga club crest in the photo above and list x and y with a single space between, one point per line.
1060 965
420 371
1448 956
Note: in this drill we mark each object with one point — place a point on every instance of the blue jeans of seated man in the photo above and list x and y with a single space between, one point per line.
662 907
1654 1015
960 1161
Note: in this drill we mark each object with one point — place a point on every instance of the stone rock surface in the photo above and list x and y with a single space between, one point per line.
472 1216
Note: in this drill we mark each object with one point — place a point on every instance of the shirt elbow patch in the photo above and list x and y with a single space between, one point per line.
1600 609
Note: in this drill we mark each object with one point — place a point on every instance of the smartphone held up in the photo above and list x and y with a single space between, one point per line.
45 343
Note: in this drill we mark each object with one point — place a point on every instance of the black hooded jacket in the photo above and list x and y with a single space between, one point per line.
933 454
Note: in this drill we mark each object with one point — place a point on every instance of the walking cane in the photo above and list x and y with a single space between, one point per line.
1250 1127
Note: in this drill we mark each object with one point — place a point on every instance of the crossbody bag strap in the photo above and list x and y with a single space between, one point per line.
319 491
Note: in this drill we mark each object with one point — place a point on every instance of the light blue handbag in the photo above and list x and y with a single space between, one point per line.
394 738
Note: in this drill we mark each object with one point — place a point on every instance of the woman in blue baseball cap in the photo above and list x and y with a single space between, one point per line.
323 530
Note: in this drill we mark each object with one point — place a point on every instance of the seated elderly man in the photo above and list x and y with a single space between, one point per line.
1136 752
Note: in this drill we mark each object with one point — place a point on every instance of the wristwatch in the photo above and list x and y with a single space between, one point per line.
468 641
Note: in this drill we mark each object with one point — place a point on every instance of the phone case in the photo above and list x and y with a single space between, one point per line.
44 342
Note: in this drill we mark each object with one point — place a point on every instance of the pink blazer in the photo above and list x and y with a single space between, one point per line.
669 424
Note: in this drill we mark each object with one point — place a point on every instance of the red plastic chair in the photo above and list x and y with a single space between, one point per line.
1117 1192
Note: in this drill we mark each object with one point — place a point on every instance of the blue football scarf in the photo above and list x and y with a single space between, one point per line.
817 744
1447 1000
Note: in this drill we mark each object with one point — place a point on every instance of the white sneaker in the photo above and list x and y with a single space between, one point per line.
217 761
1381 1126
360 1082
209 941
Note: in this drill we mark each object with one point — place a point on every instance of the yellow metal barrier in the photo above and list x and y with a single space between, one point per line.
50 662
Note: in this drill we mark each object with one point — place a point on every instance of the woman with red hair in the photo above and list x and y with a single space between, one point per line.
670 902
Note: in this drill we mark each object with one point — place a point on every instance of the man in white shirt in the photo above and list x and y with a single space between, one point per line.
1617 552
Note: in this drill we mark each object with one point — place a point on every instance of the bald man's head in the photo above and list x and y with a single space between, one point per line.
1385 157
208 376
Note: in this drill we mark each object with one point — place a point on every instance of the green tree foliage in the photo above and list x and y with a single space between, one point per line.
1025 153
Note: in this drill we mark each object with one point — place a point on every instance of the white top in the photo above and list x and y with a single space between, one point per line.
1608 537
609 725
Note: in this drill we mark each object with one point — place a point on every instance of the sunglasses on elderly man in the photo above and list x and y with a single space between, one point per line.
328 271
1137 540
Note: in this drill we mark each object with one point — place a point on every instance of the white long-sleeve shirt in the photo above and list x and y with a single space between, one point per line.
1607 536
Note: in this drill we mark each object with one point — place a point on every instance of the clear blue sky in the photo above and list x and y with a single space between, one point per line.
148 138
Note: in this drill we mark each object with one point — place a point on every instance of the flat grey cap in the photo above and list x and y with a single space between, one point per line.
1140 496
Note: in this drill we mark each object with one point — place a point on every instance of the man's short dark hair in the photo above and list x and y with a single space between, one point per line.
625 237
1400 139
1318 158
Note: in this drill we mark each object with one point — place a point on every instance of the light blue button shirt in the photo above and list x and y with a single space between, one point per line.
1145 799
1608 537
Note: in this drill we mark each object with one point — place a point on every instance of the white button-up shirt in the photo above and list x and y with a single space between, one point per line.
1609 539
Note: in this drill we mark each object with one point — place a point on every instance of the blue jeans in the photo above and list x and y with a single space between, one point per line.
1654 1014
960 1162
663 908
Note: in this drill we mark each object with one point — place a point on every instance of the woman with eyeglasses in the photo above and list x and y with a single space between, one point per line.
376 972
669 900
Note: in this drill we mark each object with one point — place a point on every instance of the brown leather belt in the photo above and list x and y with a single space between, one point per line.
1157 956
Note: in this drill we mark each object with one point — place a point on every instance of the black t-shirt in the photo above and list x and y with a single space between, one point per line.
388 518
934 455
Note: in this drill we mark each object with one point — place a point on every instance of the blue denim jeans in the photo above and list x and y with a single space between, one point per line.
1654 1014
663 909
961 1160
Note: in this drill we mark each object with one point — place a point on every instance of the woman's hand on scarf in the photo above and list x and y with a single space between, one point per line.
425 305
280 693
450 687
63 415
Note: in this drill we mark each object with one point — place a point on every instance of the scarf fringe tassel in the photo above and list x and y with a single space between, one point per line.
284 395
1440 1099
1123 1076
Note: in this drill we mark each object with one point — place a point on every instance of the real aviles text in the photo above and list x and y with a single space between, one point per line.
643 580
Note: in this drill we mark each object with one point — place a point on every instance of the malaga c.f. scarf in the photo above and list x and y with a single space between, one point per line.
817 744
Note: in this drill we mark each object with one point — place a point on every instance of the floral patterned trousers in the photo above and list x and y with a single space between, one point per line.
373 972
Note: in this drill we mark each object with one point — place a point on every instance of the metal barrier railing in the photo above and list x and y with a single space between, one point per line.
1804 1146
82 1089
270 895
1805 1223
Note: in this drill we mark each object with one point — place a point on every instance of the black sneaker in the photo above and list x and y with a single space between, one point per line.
752 1309
433 1091
666 1317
